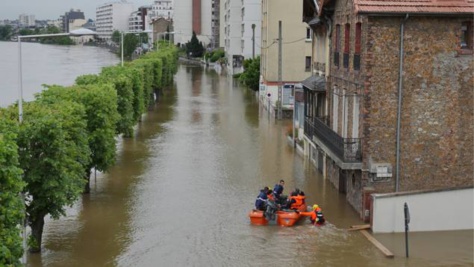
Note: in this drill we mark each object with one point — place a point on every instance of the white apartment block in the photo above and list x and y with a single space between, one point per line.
162 9
239 37
193 15
26 20
112 16
140 20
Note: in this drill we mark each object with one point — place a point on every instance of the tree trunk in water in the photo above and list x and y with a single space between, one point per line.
87 187
37 226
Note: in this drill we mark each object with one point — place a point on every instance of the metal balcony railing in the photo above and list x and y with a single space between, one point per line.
347 149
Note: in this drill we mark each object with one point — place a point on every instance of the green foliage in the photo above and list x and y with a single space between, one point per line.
54 153
251 75
6 32
130 43
116 36
194 48
11 184
100 104
216 55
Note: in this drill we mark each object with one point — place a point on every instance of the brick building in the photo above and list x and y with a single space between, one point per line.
397 112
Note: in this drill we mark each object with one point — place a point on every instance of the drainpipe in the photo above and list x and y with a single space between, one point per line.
399 108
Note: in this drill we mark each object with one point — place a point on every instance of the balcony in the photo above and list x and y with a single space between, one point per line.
346 149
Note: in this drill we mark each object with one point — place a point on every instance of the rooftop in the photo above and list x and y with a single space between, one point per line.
414 6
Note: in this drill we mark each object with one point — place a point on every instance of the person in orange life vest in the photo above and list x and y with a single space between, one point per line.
317 216
296 200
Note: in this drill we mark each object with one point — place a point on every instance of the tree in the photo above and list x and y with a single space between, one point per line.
100 104
54 153
12 209
194 47
5 32
251 75
62 40
130 42
116 36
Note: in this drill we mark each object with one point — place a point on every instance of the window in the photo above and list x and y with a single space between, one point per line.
337 39
357 48
308 34
347 36
466 35
307 64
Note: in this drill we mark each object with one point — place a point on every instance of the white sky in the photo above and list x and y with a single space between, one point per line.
52 9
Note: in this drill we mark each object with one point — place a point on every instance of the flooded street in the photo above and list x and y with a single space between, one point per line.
182 188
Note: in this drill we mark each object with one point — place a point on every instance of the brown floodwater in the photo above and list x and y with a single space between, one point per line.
182 188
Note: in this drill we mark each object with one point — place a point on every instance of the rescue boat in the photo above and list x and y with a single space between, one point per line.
284 218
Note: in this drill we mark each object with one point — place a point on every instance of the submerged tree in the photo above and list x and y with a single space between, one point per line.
54 153
251 75
12 209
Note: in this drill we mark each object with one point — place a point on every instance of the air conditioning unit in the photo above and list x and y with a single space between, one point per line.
381 170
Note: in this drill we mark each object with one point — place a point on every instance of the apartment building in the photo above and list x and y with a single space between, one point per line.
392 109
193 16
162 9
72 20
140 20
241 28
296 52
112 16
26 20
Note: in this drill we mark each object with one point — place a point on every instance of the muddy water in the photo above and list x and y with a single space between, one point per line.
181 190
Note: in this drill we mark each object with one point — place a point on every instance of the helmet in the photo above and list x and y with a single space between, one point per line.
315 206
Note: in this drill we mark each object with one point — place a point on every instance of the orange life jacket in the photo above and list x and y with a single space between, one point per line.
299 200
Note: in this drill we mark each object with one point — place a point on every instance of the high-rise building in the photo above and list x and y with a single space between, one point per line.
112 16
242 26
26 20
72 20
193 16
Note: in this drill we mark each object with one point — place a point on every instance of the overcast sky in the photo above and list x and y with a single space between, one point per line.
52 9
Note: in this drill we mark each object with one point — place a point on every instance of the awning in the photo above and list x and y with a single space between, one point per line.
315 83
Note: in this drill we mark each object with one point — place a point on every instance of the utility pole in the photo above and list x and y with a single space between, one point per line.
279 104
253 40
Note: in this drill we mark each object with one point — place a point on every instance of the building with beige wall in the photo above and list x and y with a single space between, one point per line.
296 51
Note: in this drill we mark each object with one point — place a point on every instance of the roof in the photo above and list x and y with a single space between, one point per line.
315 83
414 6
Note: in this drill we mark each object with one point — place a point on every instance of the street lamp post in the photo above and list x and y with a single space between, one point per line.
78 32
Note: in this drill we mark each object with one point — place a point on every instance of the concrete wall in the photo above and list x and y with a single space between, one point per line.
429 211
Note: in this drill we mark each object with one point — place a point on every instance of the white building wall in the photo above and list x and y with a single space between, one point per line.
183 24
111 17
429 211
251 14
162 9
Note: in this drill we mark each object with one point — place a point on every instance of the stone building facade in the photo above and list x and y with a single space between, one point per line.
378 53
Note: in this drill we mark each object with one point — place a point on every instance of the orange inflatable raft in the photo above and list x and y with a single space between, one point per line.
285 218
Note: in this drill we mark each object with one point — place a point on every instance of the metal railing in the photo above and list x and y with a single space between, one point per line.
347 149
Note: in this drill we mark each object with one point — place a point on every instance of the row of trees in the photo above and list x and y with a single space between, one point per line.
67 132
